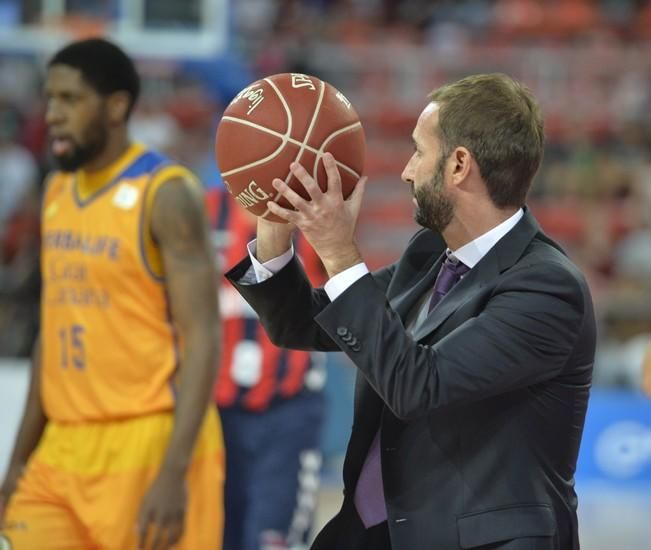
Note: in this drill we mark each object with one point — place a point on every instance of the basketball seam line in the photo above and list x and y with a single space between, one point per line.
334 135
310 127
286 136
303 145
286 140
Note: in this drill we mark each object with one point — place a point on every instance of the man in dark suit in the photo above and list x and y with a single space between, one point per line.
474 350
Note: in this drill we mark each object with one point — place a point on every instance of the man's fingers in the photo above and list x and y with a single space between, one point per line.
356 197
334 178
307 181
284 213
292 196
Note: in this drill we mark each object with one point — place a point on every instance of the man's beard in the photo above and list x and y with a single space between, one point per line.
95 140
435 209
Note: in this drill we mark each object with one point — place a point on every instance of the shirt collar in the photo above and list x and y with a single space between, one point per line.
475 250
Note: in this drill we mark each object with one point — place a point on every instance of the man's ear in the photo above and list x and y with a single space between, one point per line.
460 160
118 106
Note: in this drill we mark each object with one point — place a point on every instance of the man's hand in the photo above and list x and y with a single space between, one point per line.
160 525
6 490
327 220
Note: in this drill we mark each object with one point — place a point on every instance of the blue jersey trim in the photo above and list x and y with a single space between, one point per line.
141 223
143 164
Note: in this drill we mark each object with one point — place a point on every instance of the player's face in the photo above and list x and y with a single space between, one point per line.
76 118
425 172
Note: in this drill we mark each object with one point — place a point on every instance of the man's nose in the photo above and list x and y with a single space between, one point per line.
407 173
53 115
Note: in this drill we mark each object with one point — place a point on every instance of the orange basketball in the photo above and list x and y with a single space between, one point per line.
281 119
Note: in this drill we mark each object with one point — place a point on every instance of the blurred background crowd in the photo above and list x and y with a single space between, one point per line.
588 61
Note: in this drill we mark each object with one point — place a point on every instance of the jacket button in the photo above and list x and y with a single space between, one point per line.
341 331
356 347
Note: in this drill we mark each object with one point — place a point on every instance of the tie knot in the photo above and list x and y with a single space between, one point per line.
449 275
457 267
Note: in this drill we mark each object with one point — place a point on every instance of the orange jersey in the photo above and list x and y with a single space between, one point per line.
109 347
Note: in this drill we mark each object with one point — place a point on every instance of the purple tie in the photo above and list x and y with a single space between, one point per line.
449 275
369 493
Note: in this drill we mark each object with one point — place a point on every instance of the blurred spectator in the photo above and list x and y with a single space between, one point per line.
19 209
518 18
19 170
271 404
587 59
153 126
20 278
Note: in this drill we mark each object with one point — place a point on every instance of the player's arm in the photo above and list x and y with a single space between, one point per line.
180 229
29 433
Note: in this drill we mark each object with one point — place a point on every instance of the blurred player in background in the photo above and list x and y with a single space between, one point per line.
271 406
119 447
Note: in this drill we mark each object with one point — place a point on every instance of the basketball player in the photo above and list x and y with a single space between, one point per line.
118 447
271 405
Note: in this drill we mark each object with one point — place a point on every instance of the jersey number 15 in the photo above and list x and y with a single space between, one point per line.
72 346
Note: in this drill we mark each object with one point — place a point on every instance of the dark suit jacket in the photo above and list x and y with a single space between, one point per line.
481 409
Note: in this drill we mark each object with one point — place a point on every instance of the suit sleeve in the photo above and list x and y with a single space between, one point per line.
525 335
287 305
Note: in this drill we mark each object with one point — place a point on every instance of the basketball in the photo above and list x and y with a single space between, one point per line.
281 119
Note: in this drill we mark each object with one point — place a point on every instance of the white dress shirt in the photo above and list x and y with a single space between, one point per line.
469 254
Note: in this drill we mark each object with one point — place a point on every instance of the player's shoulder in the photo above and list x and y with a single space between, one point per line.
172 190
55 183
160 166
168 178
178 191
176 196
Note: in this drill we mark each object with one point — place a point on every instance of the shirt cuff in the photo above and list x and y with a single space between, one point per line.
268 269
341 281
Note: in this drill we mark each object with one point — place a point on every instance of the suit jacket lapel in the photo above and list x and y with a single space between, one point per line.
403 303
501 257
464 290
416 272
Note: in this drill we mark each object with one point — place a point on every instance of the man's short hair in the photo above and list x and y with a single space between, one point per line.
498 120
103 65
